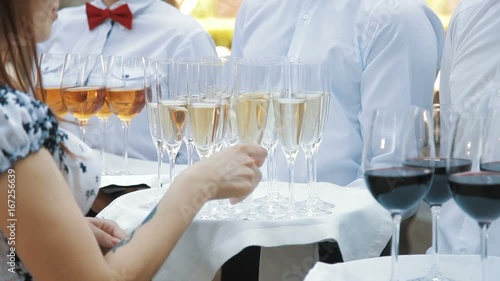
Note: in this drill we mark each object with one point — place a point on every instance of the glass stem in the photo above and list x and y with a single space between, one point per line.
310 174
484 250
396 222
436 210
172 155
314 170
104 122
125 147
190 152
291 191
159 151
83 126
270 176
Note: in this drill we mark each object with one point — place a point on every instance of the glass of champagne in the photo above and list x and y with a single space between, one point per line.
395 138
312 80
273 204
103 115
289 113
172 111
187 70
83 86
477 193
125 82
48 88
151 91
251 105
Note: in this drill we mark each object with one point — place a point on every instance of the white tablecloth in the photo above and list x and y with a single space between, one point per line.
358 224
460 268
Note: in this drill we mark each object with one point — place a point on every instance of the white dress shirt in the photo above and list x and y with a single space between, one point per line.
158 31
386 53
470 79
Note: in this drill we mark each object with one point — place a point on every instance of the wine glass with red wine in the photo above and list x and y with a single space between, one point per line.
395 138
478 193
440 193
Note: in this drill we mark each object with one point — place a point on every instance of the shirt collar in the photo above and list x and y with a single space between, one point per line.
134 5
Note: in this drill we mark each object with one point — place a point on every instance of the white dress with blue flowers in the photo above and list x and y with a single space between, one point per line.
26 126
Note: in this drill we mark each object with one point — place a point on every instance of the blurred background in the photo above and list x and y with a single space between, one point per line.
217 16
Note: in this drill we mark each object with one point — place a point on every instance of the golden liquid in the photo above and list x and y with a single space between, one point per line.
289 115
83 102
313 118
224 119
105 111
126 103
204 118
52 97
173 121
251 116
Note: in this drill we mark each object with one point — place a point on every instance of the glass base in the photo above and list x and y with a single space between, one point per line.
150 206
314 203
272 210
433 276
275 197
311 212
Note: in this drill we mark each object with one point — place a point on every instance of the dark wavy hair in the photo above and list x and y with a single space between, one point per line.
18 61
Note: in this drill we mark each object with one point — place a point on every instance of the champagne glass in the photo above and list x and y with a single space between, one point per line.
439 192
172 111
273 204
312 79
125 94
208 115
251 105
396 137
289 113
478 193
83 86
103 115
48 88
187 81
152 93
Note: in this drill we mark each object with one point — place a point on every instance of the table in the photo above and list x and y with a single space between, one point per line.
459 267
206 245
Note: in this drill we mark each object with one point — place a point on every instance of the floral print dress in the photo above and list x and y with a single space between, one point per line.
26 126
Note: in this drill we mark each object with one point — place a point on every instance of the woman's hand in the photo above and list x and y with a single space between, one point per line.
232 173
106 232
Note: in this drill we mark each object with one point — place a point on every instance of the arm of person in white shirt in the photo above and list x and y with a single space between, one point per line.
55 242
470 73
197 45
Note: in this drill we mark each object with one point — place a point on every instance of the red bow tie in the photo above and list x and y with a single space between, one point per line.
96 16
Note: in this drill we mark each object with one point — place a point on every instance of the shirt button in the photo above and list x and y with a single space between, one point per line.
305 16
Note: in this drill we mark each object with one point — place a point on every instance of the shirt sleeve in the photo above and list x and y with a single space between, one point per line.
238 29
470 74
198 44
401 50
26 125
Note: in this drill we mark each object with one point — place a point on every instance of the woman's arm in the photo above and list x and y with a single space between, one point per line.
55 242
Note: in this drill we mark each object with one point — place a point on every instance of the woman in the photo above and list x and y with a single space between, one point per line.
42 224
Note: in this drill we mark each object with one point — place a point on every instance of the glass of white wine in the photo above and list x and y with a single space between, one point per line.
312 80
273 204
152 93
48 87
251 105
83 86
172 111
187 79
289 113
125 94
